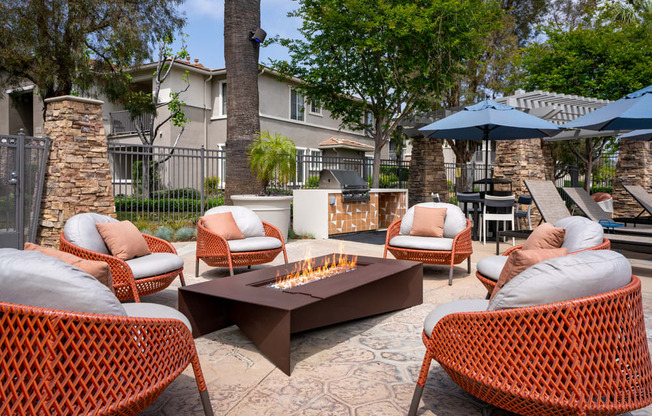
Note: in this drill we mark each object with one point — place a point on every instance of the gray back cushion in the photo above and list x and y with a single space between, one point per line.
247 220
454 223
581 233
34 279
81 231
569 277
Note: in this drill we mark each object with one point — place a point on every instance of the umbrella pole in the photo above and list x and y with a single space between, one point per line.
486 156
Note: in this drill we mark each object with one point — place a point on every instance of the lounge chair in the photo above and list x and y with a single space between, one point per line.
69 347
592 210
547 199
452 249
565 337
642 197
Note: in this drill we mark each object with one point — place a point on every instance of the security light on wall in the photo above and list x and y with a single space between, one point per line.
258 35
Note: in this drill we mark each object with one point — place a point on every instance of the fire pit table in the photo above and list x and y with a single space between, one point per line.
267 309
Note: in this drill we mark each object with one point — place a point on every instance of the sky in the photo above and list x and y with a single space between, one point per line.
205 29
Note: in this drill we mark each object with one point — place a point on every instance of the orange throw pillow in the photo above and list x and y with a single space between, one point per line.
98 269
223 224
123 239
545 236
428 222
519 260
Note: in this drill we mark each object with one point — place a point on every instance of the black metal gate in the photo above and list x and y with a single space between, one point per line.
22 173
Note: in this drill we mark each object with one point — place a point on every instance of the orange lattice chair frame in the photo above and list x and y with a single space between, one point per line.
81 351
581 234
216 251
460 250
126 284
583 356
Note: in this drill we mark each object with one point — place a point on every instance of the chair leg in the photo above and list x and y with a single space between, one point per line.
421 382
206 403
416 398
183 280
231 271
468 265
197 268
450 277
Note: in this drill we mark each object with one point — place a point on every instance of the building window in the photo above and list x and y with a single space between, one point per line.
296 106
301 166
223 94
314 107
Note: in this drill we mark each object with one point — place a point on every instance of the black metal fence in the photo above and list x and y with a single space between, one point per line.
121 122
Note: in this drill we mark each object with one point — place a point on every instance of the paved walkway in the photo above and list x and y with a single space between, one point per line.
364 367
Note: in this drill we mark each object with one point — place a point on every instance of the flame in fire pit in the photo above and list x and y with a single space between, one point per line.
306 272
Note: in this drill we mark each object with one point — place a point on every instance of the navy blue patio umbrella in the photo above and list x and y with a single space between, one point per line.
637 135
489 120
632 112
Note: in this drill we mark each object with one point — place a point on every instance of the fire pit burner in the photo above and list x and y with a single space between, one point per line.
268 315
307 271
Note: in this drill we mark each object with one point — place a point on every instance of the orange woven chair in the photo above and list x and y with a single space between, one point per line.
461 250
490 284
125 285
584 356
214 250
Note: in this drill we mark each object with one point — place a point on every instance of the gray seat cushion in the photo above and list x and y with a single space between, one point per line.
254 244
248 222
35 279
581 233
422 243
569 277
467 305
81 231
454 223
153 310
154 264
492 266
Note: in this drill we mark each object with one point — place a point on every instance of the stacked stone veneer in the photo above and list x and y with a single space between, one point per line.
78 176
634 167
427 171
518 161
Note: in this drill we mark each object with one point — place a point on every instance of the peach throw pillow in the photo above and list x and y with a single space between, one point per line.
223 224
545 236
123 239
98 269
519 260
428 222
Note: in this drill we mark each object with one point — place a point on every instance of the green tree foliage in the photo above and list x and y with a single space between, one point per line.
374 62
603 57
73 45
273 158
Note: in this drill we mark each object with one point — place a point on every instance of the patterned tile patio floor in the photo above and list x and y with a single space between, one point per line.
364 367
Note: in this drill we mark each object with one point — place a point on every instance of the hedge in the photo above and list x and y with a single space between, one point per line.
165 204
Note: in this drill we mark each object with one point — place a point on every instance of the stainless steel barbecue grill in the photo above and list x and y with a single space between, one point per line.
354 188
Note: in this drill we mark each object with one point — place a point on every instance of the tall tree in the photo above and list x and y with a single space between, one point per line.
600 58
72 45
373 63
242 116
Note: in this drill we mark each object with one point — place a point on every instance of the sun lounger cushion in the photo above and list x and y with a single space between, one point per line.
154 264
454 223
154 310
581 233
254 244
569 277
467 305
80 230
492 266
248 222
422 243
35 279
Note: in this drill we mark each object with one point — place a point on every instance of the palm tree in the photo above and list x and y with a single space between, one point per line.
273 158
242 122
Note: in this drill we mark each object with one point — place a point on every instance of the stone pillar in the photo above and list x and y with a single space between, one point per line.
518 161
634 167
78 176
427 171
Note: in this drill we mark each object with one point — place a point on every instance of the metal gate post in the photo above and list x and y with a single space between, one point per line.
20 189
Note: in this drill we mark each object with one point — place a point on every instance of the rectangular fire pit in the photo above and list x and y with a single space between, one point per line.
268 315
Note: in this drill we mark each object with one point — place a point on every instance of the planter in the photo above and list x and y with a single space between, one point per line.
272 209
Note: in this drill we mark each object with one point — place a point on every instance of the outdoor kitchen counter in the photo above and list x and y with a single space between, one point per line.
322 212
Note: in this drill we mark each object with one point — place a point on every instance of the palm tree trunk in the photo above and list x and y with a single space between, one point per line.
242 121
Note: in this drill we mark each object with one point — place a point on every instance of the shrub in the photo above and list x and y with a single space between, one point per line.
164 205
164 232
146 231
185 234
176 193
138 177
212 185
312 182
